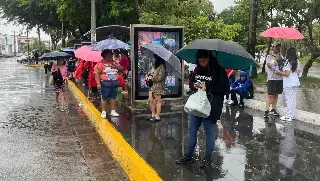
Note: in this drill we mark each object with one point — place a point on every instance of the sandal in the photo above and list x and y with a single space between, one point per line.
57 106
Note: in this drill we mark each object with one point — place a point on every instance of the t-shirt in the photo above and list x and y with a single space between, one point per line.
105 71
293 79
274 66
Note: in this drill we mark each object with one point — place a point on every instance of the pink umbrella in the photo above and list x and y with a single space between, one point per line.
92 56
282 33
81 51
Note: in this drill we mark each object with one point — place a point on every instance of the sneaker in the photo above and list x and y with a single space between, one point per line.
274 112
266 114
184 160
286 118
114 113
103 114
206 163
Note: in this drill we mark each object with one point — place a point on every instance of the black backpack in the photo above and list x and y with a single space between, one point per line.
57 78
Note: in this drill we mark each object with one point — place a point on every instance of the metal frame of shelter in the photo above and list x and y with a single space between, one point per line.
133 29
110 31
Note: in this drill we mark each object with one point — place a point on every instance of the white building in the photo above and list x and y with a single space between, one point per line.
6 44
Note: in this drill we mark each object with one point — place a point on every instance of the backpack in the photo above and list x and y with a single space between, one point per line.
57 78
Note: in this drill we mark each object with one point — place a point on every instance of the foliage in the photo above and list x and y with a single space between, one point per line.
195 16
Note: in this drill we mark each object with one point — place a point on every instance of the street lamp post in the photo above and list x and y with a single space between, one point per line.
93 21
14 43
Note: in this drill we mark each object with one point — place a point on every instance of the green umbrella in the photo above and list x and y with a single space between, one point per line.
229 54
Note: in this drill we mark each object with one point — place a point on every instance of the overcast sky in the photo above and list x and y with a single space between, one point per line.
6 28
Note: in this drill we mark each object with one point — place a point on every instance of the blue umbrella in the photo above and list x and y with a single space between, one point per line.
68 50
110 44
54 56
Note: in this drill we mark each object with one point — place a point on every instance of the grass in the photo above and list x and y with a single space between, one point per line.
309 82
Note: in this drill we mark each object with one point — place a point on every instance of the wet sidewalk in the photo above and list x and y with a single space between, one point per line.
39 142
248 147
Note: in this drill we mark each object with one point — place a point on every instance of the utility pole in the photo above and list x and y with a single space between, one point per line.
28 46
14 43
63 40
253 31
93 21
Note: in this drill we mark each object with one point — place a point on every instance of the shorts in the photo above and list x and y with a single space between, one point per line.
94 90
274 87
109 90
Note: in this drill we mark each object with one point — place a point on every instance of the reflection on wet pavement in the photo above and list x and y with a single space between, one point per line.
247 147
39 142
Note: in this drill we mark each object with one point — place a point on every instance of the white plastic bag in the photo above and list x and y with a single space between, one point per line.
198 104
51 80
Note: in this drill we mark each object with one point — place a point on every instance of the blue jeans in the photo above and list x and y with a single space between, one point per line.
232 79
193 127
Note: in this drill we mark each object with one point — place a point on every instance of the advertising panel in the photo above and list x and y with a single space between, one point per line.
171 37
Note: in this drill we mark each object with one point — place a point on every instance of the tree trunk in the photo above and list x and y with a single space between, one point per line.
309 64
265 59
39 35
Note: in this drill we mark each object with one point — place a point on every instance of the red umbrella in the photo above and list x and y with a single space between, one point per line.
282 33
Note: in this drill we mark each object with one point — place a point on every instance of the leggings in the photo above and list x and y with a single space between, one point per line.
290 94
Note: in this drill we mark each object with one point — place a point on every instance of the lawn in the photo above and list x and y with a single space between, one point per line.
310 82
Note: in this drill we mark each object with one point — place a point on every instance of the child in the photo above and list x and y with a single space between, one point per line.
242 87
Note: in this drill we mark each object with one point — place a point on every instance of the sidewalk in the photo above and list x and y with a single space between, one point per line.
39 142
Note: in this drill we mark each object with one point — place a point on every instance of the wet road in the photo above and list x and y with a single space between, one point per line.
38 142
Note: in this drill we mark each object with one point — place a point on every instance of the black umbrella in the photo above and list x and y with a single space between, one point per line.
229 54
54 56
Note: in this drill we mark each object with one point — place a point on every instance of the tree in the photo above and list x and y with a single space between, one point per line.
196 16
304 14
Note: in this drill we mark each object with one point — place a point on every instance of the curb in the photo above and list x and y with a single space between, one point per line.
35 65
303 116
133 164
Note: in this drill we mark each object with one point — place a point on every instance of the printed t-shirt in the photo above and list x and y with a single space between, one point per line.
105 71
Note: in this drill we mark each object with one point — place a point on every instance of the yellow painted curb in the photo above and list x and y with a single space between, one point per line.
35 65
133 164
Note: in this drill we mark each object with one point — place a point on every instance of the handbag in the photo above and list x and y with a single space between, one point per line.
198 105
51 82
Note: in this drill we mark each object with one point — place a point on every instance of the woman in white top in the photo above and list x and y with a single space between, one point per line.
291 74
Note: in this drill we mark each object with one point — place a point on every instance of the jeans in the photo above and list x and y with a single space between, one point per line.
244 94
193 127
232 80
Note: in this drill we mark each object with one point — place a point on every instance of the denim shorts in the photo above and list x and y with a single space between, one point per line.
109 90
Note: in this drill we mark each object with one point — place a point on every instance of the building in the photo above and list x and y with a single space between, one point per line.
21 41
6 44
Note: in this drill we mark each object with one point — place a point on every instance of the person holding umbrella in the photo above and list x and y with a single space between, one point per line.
212 57
155 80
211 77
274 62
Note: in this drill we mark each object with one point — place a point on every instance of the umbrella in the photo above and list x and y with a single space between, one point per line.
173 64
68 50
54 55
81 51
229 54
35 50
282 33
110 44
92 56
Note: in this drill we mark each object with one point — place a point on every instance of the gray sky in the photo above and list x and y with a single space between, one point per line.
9 28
